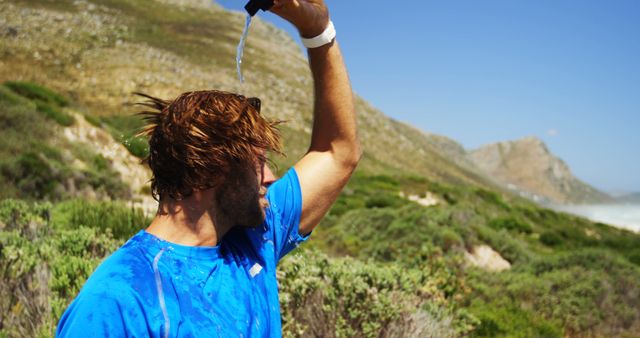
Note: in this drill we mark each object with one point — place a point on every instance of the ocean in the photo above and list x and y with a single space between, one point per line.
620 215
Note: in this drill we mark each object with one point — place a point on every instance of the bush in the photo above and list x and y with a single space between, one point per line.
512 249
46 101
10 97
42 270
492 198
384 200
510 224
117 218
323 297
32 176
37 92
550 238
448 239
54 113
137 146
634 256
499 320
124 129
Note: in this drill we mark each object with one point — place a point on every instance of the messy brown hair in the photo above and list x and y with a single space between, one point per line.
197 138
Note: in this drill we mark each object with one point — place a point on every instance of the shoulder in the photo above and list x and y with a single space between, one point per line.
116 298
125 269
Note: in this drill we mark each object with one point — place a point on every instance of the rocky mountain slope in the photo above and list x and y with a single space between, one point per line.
528 165
98 52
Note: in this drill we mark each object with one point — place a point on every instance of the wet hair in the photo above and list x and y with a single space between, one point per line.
196 139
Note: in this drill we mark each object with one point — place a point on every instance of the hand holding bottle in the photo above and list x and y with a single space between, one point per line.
310 17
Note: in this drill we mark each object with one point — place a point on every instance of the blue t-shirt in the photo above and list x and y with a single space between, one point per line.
152 288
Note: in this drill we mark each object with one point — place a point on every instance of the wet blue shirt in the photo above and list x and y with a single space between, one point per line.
153 288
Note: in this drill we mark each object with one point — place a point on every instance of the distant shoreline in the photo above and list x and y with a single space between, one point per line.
625 216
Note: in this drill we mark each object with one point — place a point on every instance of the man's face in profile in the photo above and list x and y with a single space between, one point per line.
242 196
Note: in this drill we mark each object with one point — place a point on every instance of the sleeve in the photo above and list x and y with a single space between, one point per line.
283 216
92 315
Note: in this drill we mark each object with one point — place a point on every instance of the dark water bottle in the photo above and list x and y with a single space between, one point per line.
253 6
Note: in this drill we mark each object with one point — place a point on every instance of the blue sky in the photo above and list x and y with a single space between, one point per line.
479 72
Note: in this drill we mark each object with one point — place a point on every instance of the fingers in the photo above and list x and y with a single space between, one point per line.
284 8
310 17
277 4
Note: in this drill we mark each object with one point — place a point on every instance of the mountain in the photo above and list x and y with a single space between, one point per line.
633 198
527 165
407 250
99 52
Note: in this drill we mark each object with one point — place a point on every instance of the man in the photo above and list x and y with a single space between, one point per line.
206 264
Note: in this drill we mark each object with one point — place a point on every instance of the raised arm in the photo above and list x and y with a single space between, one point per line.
335 149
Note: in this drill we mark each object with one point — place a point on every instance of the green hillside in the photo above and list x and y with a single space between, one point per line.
381 264
378 264
99 52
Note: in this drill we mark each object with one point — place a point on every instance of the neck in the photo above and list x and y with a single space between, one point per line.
192 221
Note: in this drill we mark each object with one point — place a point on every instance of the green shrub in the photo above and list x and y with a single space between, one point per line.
550 238
8 96
46 101
510 224
499 320
93 120
37 92
54 113
137 146
492 198
448 239
32 175
101 163
120 220
512 249
634 256
42 270
325 297
124 129
384 201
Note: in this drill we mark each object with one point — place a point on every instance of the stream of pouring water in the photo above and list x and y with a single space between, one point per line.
240 49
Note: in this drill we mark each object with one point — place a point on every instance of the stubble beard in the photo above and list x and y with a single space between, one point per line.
243 208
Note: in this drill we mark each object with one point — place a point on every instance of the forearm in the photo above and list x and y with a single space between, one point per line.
334 118
335 150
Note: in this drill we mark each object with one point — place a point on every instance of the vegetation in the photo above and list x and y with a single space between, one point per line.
124 129
371 270
569 276
34 163
378 265
43 268
47 102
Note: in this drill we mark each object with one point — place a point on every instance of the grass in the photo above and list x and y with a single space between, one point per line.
181 32
37 92
47 102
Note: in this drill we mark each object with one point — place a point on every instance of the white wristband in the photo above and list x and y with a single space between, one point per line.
324 38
